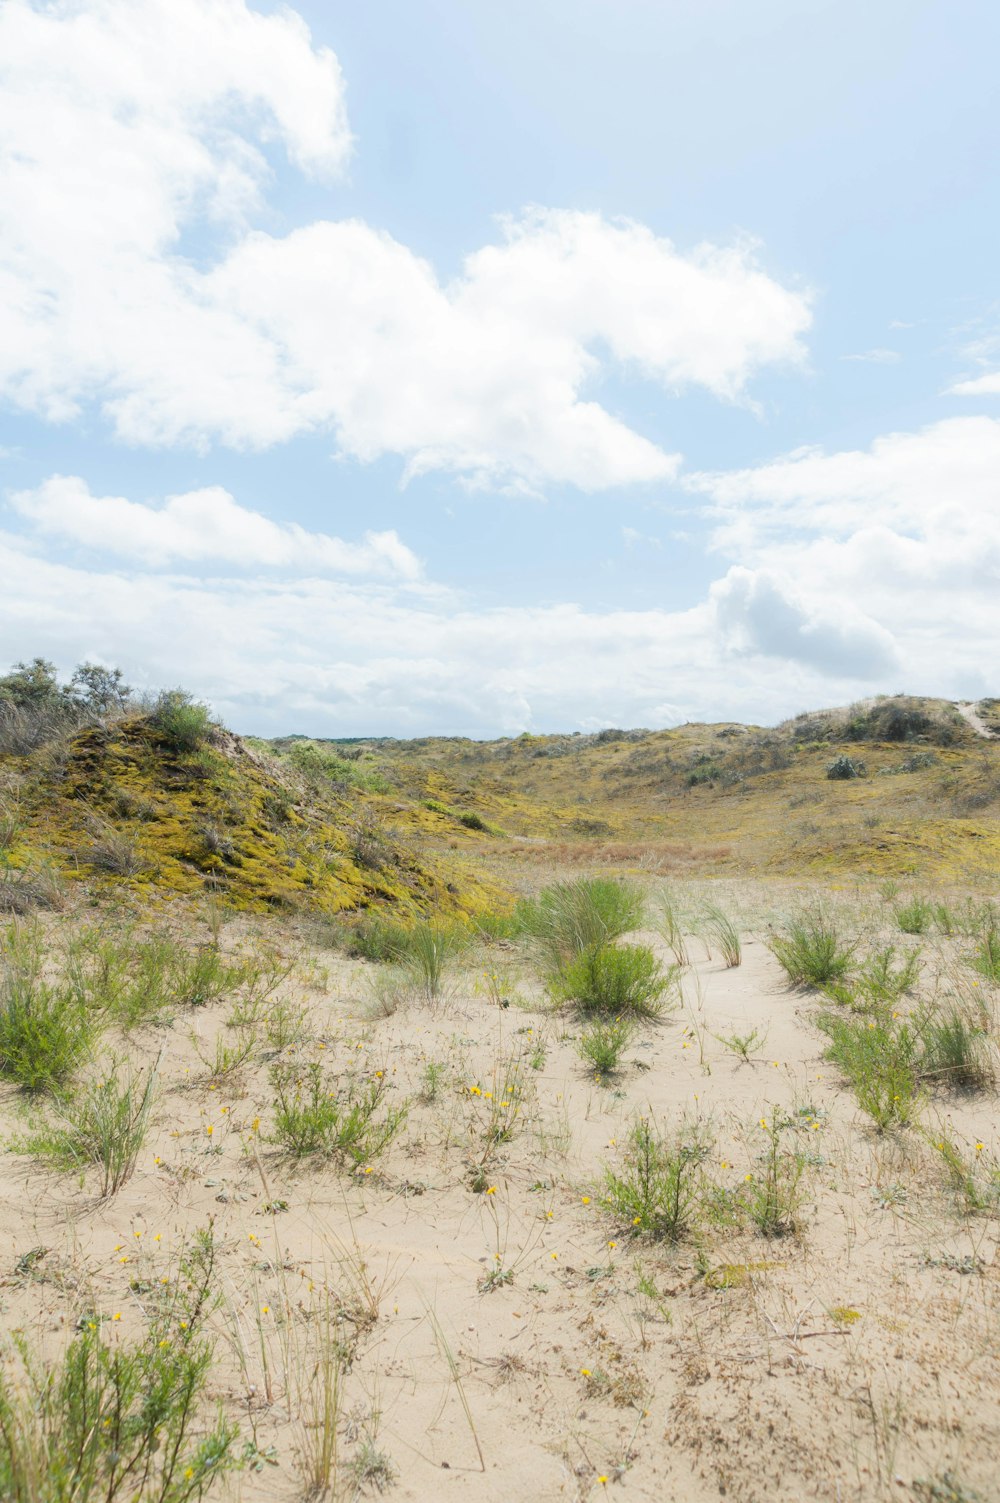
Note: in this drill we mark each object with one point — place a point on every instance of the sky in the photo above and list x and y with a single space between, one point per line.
414 368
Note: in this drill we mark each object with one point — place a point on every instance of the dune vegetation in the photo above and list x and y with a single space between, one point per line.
535 1118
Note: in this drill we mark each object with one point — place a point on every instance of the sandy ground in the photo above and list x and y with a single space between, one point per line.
858 1360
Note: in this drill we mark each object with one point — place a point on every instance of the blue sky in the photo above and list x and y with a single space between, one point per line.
418 368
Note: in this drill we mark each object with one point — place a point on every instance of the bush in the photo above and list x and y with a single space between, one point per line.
843 768
182 722
658 1191
44 1031
915 916
311 1118
428 952
571 917
812 952
880 1059
117 1420
616 979
773 1197
603 1043
105 1125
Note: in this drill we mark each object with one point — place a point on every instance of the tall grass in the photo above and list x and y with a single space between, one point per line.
569 918
881 1060
726 935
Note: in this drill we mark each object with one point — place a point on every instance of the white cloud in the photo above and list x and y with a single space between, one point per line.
875 357
897 547
978 386
760 613
134 138
206 524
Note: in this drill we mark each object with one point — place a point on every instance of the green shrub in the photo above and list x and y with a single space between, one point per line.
115 1420
312 1118
321 765
658 1191
773 1196
571 917
880 1059
183 724
915 916
879 983
844 768
622 980
104 1125
44 1031
603 1043
812 952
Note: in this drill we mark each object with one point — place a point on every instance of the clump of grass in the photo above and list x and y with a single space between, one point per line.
956 1048
620 980
602 1045
371 1467
670 925
104 1125
45 1034
773 1197
986 959
658 1191
812 952
915 916
726 936
433 1076
115 1419
880 1059
429 952
311 1118
569 918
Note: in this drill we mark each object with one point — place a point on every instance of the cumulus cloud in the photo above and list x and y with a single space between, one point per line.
202 525
978 386
135 139
758 612
898 543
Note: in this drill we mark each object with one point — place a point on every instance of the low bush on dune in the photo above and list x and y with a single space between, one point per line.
812 951
569 918
616 980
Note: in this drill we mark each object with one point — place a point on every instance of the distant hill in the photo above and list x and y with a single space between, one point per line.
121 802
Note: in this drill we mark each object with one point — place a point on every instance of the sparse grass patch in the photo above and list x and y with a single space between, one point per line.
986 959
310 1117
114 1419
881 1060
658 1191
726 936
44 1030
957 1050
916 916
430 949
974 1177
104 1125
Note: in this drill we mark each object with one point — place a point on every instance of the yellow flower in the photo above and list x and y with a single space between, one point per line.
585 1372
369 1169
265 1309
763 1122
636 1220
117 1315
492 1190
210 1129
612 1245
979 1147
747 1178
603 1481
585 1200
